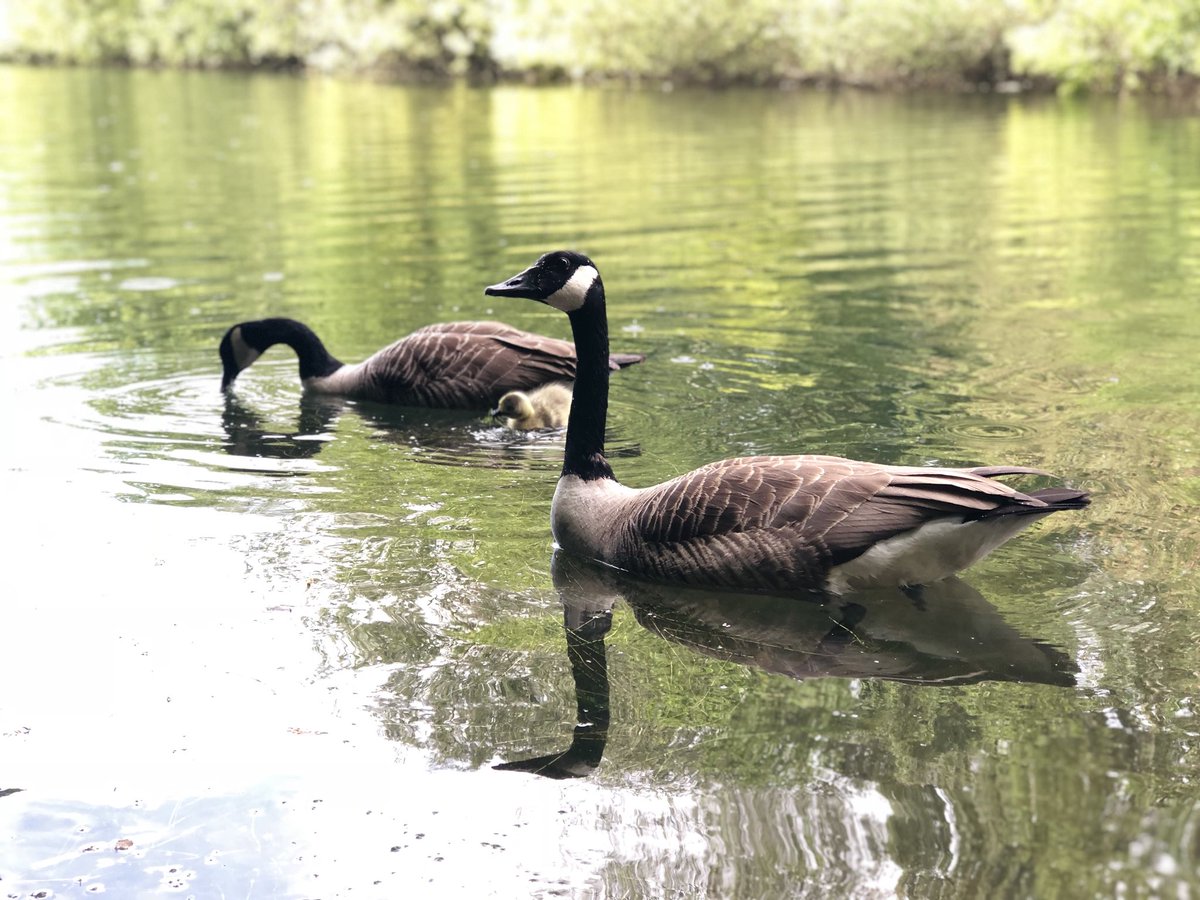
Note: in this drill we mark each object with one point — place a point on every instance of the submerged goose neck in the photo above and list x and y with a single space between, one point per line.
584 454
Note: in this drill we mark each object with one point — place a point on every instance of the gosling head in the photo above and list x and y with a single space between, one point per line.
514 406
563 279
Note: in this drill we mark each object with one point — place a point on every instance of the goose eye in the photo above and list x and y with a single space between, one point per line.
563 262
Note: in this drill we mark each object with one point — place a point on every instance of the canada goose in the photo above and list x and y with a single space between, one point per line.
543 407
452 365
775 523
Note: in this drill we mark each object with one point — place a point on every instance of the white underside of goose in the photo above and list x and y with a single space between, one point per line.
927 554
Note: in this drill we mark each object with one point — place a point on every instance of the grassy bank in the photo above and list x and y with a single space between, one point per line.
1109 45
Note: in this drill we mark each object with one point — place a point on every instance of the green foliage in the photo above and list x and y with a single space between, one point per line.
717 41
1108 44
402 35
1117 44
73 30
919 40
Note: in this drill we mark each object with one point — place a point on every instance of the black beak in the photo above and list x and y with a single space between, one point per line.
524 284
495 413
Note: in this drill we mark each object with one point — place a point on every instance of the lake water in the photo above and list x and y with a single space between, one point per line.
270 647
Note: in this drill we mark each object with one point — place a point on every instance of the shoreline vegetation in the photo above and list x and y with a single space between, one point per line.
1111 46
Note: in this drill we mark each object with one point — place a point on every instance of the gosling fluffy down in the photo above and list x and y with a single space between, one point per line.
545 407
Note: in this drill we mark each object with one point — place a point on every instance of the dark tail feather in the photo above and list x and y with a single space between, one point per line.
1054 498
993 471
1061 498
621 360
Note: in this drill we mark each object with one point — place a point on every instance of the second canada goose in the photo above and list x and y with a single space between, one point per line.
451 365
543 407
775 523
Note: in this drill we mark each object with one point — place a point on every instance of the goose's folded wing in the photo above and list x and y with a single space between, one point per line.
833 507
738 522
522 359
477 326
735 496
557 354
467 367
874 503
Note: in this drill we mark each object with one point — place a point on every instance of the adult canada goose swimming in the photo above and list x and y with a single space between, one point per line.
543 407
451 365
776 523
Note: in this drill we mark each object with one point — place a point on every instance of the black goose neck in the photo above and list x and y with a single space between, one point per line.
584 455
315 360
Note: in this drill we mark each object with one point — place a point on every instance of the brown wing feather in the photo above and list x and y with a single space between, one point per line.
464 365
784 520
467 365
914 496
474 326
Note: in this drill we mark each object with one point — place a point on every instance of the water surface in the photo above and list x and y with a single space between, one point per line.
270 646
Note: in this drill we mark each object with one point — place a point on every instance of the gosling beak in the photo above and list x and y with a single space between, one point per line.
495 413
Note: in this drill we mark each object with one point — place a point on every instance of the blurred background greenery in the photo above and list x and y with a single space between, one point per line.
1103 45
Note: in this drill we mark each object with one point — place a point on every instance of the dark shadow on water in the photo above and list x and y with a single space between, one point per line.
943 634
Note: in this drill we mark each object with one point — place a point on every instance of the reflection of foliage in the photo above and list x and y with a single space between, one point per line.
1111 44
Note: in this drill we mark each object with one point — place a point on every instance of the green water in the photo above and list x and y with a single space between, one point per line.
279 645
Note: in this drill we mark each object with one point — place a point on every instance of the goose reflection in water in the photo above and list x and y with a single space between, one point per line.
450 437
247 435
944 634
437 430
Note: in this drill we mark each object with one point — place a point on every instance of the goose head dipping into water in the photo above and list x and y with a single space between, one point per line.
773 523
450 365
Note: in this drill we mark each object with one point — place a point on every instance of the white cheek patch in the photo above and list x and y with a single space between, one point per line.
243 353
571 295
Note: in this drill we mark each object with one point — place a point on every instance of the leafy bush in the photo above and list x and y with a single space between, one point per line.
1113 44
1109 44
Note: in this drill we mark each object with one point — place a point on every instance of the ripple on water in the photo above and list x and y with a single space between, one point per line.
986 431
168 438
